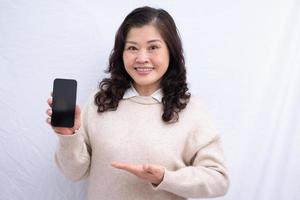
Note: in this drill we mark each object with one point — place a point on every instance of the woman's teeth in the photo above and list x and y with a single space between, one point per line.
143 69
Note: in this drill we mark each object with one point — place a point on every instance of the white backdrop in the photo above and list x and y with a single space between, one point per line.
242 58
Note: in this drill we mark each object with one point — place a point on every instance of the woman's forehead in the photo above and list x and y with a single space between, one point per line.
148 33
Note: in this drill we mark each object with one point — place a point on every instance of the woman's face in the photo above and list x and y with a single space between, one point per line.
146 58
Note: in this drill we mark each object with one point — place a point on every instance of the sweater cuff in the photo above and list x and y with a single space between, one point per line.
70 142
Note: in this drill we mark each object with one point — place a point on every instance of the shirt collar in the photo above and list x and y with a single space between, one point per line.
131 92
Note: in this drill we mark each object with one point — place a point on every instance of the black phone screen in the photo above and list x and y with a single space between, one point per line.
64 102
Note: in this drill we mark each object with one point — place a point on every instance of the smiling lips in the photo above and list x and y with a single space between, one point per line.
144 70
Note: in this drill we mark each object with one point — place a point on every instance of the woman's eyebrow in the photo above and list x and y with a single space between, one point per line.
150 41
131 42
156 40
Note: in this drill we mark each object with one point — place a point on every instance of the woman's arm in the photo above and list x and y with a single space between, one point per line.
205 174
74 152
206 177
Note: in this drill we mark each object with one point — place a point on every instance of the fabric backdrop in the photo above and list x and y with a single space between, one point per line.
242 58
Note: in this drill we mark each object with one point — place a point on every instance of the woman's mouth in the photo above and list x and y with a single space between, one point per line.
144 70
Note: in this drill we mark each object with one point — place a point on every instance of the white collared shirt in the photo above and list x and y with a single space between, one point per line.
131 92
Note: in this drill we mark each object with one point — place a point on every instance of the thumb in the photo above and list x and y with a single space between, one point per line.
77 118
149 168
146 168
77 110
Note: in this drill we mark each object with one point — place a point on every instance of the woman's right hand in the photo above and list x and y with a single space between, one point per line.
62 130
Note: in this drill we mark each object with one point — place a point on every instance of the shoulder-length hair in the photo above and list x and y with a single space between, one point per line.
173 83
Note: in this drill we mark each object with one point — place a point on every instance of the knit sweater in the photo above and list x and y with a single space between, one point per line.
189 150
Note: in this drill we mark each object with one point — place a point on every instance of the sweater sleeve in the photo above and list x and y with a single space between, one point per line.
205 174
73 153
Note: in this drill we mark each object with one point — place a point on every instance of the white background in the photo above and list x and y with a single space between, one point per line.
242 58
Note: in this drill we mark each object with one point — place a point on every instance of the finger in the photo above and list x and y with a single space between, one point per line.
50 101
119 165
128 167
146 167
153 170
49 112
150 173
134 169
150 168
48 120
77 110
141 171
153 173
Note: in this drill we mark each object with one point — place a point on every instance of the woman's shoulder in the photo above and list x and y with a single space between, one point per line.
198 115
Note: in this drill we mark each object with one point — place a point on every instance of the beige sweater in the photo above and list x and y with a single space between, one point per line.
190 150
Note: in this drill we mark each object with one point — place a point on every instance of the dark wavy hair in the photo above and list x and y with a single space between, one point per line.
173 83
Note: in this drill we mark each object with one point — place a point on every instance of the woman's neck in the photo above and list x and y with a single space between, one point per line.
145 90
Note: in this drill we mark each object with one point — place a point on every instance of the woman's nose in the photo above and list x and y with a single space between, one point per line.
142 57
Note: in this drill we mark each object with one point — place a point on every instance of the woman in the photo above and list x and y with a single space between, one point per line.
142 135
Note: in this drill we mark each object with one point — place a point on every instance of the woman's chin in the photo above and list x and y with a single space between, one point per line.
145 83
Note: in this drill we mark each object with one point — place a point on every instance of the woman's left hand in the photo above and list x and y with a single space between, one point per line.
152 173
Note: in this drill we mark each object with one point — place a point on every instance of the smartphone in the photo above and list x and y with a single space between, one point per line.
64 102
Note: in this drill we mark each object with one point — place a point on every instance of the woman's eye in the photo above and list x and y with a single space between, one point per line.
131 48
153 47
